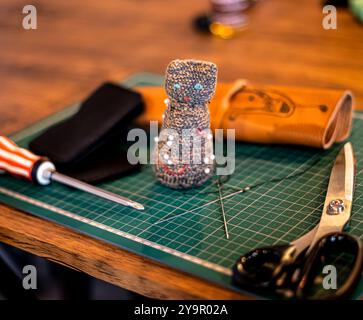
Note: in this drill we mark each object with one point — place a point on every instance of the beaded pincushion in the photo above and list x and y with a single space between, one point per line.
184 151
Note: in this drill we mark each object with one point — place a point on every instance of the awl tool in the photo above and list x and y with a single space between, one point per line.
22 163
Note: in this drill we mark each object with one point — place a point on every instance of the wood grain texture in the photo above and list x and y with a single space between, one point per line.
80 44
102 260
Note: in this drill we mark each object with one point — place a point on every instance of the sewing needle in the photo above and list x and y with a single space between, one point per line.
223 212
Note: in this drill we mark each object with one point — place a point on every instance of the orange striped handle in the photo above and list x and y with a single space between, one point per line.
22 163
15 160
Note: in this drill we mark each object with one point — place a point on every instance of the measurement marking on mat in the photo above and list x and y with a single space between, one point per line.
120 233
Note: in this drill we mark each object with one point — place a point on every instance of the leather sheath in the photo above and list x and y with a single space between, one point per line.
270 114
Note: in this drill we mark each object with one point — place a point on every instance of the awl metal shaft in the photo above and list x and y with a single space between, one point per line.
69 181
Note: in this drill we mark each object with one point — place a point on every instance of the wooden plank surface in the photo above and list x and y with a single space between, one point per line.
80 44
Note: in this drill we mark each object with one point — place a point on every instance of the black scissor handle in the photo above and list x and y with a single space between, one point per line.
330 243
259 268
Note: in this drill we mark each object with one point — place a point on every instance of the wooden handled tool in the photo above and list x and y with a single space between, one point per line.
22 163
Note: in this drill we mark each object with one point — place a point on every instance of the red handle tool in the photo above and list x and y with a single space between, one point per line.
22 163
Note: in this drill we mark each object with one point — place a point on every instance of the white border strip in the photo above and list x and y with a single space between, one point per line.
123 234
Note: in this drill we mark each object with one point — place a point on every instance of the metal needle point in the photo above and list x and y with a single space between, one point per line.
223 212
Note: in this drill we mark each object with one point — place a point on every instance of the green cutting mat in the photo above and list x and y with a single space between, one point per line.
184 229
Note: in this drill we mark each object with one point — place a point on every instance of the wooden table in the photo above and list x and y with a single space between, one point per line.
78 45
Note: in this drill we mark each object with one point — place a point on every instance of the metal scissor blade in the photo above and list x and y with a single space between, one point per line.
339 196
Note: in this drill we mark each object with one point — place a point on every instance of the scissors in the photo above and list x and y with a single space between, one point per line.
293 270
